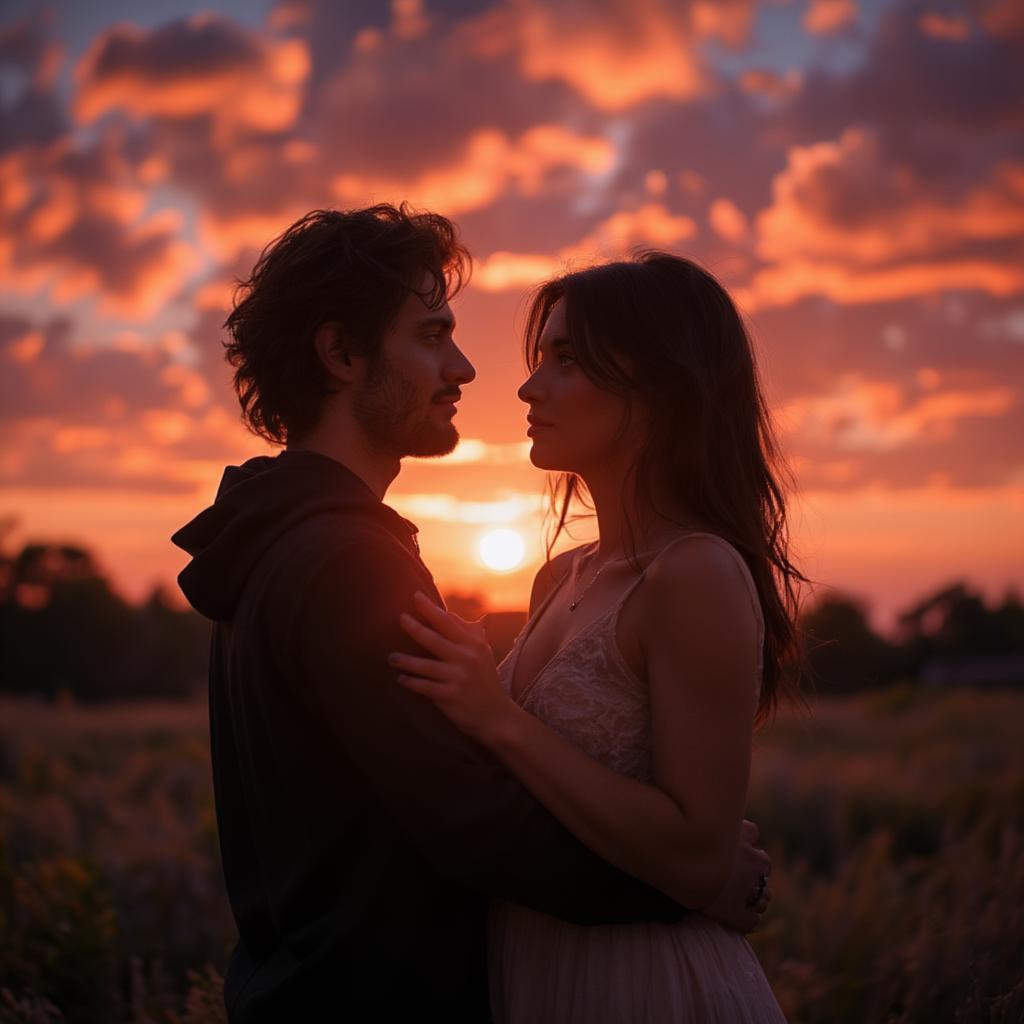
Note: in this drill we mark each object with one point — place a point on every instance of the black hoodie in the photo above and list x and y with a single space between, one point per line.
361 833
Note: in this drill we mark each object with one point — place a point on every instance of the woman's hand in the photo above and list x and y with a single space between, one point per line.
732 907
461 678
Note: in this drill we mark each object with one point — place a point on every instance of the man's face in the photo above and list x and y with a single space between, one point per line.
407 401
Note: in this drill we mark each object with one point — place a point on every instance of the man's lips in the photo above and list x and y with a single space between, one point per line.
447 402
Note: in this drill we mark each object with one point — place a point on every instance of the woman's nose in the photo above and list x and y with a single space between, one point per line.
530 391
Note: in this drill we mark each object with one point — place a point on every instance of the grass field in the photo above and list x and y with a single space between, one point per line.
895 822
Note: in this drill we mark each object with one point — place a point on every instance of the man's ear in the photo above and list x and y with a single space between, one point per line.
333 353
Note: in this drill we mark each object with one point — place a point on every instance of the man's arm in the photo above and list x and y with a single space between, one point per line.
468 816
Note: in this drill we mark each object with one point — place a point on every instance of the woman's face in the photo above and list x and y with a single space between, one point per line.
575 426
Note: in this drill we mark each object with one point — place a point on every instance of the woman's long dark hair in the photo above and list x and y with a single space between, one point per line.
659 330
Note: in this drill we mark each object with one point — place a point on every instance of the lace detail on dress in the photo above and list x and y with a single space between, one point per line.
584 695
588 694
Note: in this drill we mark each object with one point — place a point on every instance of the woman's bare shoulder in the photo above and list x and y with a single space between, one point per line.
699 572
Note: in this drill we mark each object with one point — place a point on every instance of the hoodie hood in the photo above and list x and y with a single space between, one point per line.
256 503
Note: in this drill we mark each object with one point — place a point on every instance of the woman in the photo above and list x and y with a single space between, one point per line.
628 702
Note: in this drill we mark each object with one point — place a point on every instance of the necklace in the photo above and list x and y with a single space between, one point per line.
574 599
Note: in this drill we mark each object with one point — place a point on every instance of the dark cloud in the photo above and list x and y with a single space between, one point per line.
29 60
135 417
919 87
200 46
26 44
202 65
895 394
33 118
48 377
74 219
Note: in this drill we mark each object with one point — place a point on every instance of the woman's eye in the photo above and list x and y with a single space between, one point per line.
564 359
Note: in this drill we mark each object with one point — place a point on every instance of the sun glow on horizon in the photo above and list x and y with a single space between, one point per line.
502 550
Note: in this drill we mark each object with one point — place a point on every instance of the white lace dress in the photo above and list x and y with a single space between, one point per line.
543 970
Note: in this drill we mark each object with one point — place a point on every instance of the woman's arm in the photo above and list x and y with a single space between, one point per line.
681 833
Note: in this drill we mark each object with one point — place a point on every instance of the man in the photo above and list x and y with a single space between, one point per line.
361 833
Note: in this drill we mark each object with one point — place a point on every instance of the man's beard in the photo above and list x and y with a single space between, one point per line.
392 414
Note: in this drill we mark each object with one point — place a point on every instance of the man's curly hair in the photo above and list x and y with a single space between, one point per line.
352 267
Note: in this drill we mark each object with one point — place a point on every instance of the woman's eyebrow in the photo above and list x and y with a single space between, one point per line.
554 343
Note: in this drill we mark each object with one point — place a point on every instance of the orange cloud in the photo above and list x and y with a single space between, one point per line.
890 218
615 54
73 219
940 25
157 450
727 220
825 17
797 279
505 271
225 234
204 64
847 223
24 349
651 224
448 508
472 450
760 82
875 416
611 71
488 166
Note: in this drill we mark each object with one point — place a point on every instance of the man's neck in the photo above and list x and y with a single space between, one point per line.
375 469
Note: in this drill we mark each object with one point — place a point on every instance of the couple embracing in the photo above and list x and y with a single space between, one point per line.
408 831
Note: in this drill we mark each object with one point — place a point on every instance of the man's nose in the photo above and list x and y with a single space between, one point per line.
459 369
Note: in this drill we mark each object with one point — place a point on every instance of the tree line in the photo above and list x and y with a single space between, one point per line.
65 630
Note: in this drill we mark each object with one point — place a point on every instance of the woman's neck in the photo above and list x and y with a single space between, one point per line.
629 522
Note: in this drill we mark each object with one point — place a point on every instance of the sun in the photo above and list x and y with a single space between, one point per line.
502 550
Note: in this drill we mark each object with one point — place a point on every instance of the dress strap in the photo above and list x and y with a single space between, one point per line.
737 557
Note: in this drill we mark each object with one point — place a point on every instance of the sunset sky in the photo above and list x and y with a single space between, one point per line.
852 170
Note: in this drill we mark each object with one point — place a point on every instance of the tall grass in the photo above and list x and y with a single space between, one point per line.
895 824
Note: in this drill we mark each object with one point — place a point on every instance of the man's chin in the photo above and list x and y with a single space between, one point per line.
433 444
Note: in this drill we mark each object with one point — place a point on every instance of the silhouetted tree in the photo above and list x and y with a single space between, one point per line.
1009 617
954 635
844 652
63 628
169 650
